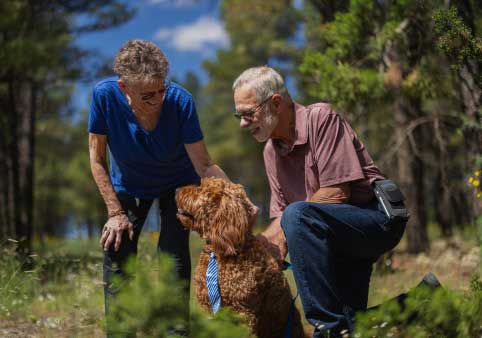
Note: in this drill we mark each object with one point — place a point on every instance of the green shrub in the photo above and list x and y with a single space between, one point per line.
427 313
18 284
153 301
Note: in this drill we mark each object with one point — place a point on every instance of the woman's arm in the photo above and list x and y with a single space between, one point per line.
205 167
117 219
202 162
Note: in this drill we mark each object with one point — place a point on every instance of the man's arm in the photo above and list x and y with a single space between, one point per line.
117 220
338 193
274 236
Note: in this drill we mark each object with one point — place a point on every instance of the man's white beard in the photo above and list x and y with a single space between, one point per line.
269 124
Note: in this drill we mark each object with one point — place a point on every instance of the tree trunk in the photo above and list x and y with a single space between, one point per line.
403 56
442 206
22 103
5 164
12 163
411 173
4 219
27 153
471 95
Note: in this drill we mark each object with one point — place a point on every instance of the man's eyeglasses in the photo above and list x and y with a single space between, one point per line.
248 115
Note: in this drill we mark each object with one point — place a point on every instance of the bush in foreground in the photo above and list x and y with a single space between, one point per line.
427 313
153 303
18 280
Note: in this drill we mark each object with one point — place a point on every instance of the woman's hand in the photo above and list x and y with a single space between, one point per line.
113 229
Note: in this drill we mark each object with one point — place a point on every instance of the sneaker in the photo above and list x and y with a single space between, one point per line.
430 281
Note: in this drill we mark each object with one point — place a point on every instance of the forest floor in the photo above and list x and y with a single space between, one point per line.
67 300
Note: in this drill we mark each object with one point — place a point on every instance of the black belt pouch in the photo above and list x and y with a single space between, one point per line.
391 199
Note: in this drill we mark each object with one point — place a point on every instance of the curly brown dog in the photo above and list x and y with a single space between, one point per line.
250 280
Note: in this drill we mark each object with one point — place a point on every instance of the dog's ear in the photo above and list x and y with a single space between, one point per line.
229 229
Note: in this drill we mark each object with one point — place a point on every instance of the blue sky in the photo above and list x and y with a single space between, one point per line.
188 32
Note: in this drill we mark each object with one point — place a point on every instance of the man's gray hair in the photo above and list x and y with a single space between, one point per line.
139 61
264 80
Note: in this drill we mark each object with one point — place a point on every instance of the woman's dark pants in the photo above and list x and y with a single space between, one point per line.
332 248
173 240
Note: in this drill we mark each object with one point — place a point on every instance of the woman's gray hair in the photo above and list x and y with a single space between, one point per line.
264 80
139 61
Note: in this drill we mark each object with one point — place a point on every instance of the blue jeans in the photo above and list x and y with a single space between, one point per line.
332 248
173 239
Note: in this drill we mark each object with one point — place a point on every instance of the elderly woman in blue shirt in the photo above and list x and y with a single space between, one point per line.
151 130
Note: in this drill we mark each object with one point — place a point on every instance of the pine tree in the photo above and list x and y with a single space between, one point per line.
40 61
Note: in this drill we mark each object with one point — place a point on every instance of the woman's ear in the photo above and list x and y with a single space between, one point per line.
122 85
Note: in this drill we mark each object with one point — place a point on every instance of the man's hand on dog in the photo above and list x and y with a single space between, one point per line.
254 210
113 229
275 241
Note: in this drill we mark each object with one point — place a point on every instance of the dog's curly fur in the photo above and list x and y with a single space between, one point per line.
250 280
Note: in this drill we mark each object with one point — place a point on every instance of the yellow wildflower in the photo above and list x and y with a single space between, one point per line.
476 183
477 173
471 179
479 194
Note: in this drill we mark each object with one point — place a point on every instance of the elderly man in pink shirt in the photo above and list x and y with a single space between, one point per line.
323 208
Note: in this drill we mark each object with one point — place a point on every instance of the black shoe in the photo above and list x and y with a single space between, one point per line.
430 281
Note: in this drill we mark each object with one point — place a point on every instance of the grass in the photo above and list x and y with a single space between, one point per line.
63 295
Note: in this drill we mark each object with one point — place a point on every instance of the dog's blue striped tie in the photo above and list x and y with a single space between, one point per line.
212 283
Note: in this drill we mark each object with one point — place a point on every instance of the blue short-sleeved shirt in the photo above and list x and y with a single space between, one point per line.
146 164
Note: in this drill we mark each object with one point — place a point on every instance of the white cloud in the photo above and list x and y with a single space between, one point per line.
195 36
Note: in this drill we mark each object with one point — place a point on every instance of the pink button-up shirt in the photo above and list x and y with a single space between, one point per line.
326 152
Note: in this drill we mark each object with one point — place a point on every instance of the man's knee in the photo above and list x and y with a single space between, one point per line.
291 218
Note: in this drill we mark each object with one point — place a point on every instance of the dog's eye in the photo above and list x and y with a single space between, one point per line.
185 213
